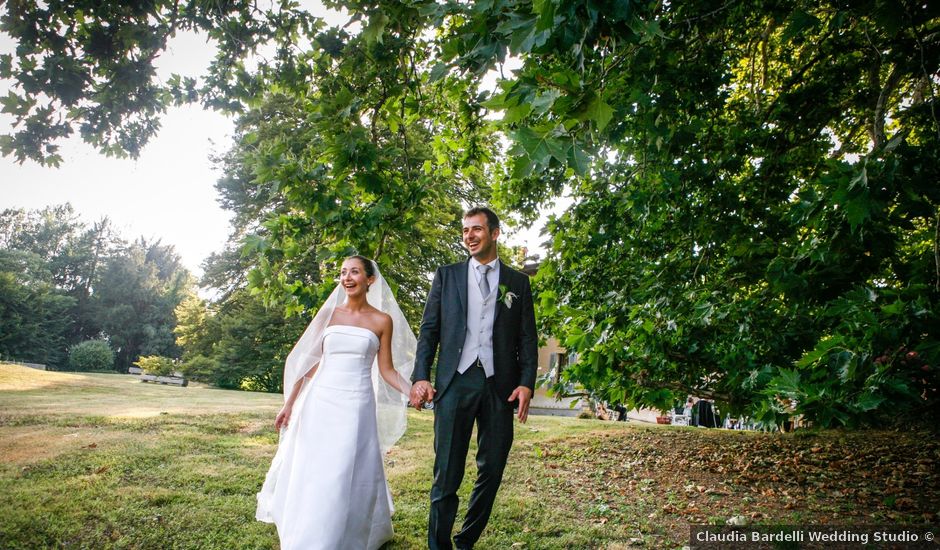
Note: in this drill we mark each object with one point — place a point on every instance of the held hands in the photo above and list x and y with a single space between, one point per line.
283 417
524 395
421 393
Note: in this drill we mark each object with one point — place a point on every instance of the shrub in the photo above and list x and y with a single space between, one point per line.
199 367
91 355
156 365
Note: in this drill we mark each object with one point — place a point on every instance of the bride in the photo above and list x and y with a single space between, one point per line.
326 487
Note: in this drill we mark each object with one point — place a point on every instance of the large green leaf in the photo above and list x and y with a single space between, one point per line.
375 30
599 112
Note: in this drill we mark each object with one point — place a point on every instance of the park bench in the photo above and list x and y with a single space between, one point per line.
172 380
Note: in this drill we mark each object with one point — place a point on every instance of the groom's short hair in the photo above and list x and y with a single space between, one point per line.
492 220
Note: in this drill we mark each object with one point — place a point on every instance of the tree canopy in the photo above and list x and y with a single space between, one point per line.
758 222
754 209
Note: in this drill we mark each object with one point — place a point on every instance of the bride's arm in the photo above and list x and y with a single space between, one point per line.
283 417
386 368
300 384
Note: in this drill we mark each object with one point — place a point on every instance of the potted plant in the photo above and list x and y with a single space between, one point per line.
663 401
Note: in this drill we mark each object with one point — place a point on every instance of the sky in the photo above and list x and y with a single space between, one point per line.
167 193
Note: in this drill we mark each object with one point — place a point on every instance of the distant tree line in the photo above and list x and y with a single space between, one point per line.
77 296
64 282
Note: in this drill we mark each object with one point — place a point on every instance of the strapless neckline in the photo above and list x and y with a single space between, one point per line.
374 335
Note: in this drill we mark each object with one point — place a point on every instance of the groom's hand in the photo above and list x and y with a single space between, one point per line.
524 395
421 393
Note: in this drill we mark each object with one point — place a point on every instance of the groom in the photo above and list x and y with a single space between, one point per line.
480 323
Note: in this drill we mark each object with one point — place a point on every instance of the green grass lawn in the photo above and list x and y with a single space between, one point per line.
104 461
92 460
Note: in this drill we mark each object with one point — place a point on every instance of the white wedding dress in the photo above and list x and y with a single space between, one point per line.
326 488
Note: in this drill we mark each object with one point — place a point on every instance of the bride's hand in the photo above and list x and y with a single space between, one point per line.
282 417
421 393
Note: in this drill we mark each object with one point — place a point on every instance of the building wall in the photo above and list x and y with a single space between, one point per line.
542 403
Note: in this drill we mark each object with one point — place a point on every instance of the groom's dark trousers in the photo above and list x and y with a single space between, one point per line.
471 397
464 399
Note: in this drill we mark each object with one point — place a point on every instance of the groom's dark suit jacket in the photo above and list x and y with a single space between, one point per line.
444 326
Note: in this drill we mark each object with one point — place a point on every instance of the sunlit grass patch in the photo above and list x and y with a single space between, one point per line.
24 444
38 392
20 378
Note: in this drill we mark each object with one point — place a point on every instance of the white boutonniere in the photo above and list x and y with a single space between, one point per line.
506 297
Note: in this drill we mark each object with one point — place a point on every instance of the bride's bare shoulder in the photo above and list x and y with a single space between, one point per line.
382 320
382 317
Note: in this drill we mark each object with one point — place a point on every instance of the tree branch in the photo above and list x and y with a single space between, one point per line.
878 114
936 250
